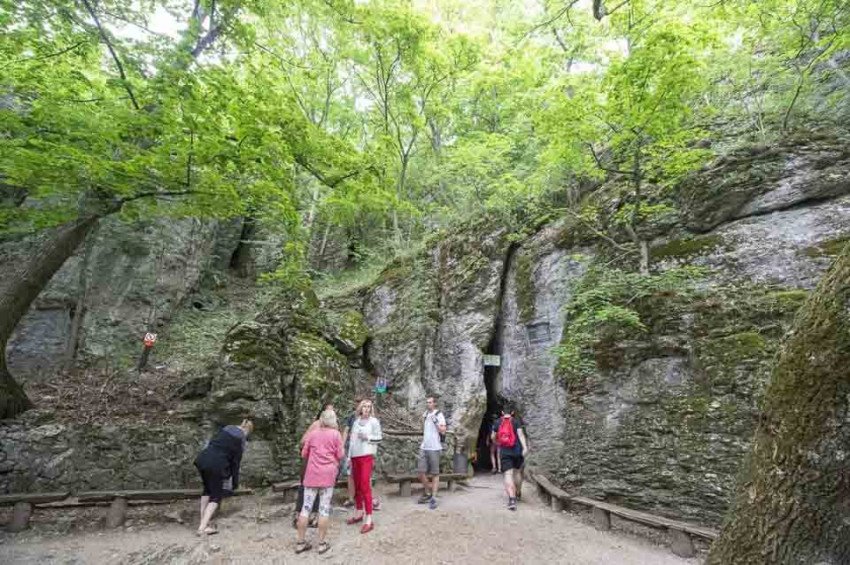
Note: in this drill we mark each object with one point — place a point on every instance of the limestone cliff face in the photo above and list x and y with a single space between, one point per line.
128 278
668 414
661 423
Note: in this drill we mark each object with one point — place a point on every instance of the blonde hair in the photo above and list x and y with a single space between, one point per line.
328 419
371 407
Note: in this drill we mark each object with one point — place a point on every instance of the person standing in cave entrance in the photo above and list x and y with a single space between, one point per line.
433 431
218 464
365 436
495 453
510 437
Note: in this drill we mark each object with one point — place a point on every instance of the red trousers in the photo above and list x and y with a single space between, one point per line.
361 473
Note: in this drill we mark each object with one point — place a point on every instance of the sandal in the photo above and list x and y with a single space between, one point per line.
208 531
367 528
351 521
302 546
324 547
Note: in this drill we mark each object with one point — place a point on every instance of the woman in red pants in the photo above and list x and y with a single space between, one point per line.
365 437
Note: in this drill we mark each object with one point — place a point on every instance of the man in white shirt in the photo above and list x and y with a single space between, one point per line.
434 426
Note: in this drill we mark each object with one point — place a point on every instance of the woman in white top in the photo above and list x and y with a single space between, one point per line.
365 437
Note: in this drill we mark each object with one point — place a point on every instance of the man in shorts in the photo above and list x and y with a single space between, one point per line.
433 427
512 454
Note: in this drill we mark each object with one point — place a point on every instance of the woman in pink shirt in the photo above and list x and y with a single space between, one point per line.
323 451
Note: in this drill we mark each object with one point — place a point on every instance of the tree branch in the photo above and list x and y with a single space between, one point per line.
157 194
330 182
43 57
563 11
111 49
601 166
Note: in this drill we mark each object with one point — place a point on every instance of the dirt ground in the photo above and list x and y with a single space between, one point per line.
470 526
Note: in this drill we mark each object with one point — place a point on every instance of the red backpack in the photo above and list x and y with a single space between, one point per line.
506 436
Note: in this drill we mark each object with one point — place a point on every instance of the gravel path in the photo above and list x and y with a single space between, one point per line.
470 526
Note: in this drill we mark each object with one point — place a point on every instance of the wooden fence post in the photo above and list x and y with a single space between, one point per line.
20 517
557 504
117 513
602 519
681 543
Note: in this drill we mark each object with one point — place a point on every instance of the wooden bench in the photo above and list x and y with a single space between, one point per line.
23 506
681 533
118 499
115 516
404 481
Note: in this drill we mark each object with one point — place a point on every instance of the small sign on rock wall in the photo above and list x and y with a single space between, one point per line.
492 361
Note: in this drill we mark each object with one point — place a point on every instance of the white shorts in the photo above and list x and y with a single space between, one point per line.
325 497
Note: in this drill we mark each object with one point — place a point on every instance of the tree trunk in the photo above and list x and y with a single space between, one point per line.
242 260
792 502
21 283
79 313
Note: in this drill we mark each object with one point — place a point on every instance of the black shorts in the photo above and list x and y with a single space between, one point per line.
213 480
511 461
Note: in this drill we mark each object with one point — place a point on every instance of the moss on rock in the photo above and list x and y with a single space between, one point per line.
686 248
525 293
347 331
829 248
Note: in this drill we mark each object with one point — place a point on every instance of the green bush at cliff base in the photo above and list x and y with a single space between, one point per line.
604 308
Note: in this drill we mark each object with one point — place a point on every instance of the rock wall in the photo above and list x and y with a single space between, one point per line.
127 278
38 454
668 416
664 421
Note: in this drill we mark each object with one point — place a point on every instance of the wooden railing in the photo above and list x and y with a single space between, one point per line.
681 533
25 503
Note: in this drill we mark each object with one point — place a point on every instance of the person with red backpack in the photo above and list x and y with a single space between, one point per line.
509 435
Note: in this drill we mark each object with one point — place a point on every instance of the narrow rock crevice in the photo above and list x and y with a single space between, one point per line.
494 346
491 373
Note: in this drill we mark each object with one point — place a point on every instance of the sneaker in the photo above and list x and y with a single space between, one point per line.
512 504
433 503
425 498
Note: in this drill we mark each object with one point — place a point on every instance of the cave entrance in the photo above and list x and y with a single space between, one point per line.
492 368
483 462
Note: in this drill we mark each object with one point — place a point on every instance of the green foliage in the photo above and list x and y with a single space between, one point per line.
686 248
525 294
604 308
388 120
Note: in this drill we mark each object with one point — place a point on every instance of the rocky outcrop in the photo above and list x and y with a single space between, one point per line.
663 422
664 416
278 370
127 279
431 318
39 454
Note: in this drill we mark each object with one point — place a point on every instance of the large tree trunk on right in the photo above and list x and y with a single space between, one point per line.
22 282
793 497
